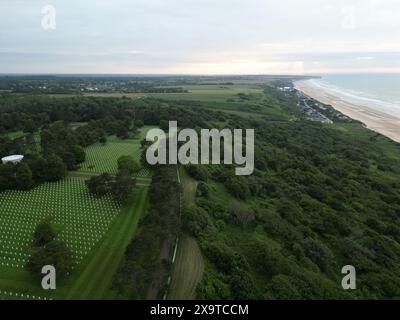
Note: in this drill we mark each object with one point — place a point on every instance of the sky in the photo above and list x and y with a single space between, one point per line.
199 36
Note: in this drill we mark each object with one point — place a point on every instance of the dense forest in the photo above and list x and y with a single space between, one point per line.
321 196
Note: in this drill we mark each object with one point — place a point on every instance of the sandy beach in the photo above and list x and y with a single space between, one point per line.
376 120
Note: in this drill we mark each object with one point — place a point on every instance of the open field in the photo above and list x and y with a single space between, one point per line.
209 92
114 95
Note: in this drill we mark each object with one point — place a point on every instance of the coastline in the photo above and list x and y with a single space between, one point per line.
376 120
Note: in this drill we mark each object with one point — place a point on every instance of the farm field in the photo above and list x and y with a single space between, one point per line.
97 230
209 92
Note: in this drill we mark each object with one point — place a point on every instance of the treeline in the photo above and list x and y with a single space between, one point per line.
146 266
51 145
103 116
77 85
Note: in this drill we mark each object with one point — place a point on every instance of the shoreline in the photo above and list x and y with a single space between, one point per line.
375 120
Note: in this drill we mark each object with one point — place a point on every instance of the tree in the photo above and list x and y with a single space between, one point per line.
139 123
46 139
198 172
38 167
56 169
122 187
100 185
44 233
69 160
203 190
54 253
143 159
7 176
103 139
24 177
238 187
122 132
241 213
128 165
283 288
29 126
164 125
79 153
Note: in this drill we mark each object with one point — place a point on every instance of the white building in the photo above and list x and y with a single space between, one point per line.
12 159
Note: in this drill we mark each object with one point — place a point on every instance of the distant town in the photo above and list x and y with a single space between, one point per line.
313 109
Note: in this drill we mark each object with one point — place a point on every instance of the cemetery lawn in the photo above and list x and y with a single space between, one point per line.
97 230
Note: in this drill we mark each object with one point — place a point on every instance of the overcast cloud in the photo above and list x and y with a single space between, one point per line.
201 36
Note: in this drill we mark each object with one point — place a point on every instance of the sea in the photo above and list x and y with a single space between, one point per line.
378 91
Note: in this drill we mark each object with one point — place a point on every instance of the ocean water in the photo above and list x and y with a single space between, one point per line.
379 91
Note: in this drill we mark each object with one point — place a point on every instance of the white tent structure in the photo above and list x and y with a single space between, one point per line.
12 159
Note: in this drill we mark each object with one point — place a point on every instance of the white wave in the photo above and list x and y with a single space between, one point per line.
358 97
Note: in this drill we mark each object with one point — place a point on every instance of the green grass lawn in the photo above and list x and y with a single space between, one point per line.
97 274
209 92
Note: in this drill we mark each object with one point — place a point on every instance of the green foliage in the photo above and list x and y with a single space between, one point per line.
143 265
24 177
100 185
44 233
322 196
54 253
197 221
122 187
240 213
56 168
128 165
238 187
282 288
198 172
202 189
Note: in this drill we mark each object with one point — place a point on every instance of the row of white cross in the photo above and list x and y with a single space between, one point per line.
22 295
83 219
103 158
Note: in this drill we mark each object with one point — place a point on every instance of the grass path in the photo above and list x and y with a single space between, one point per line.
188 270
189 265
95 280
